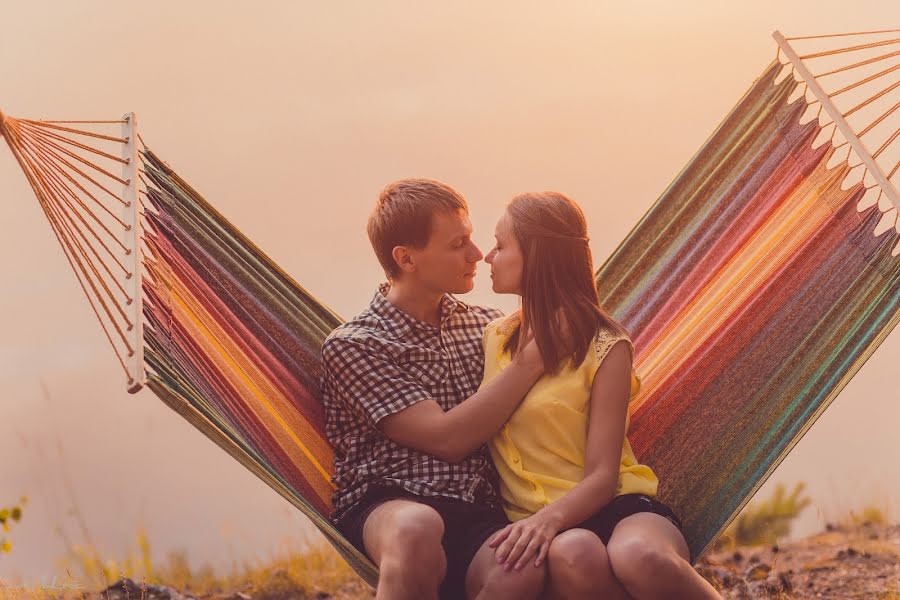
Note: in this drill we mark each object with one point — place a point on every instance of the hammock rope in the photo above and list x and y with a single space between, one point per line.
755 287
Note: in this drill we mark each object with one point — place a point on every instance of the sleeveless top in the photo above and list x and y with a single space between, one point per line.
539 452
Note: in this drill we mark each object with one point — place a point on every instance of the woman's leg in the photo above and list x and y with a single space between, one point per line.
649 556
488 579
578 566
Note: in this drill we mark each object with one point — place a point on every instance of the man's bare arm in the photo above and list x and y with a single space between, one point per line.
454 434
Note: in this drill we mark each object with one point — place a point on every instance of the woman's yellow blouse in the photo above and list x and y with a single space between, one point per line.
539 452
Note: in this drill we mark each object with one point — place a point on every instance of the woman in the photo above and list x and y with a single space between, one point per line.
571 486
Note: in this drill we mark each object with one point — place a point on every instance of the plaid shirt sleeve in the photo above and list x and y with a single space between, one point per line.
367 382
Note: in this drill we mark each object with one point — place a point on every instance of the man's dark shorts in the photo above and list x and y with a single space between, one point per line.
466 527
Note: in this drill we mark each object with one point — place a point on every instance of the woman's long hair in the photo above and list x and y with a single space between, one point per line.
558 290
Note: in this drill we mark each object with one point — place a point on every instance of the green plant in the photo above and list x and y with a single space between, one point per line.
872 514
765 522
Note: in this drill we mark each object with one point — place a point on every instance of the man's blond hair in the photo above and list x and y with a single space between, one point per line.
403 216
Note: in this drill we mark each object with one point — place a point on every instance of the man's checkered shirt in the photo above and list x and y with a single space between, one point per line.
384 361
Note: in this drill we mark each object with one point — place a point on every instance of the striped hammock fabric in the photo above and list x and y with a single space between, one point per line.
232 345
754 289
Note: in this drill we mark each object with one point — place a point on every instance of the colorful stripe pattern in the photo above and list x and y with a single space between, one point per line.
754 291
232 344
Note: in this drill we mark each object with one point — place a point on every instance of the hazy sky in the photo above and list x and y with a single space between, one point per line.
290 117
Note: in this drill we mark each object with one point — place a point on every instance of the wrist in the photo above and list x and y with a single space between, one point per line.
528 368
553 517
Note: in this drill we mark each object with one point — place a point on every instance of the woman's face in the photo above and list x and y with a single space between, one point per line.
505 259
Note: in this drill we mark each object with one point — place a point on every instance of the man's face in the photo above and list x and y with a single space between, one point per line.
448 262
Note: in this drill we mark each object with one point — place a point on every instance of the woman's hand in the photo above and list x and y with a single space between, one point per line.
518 542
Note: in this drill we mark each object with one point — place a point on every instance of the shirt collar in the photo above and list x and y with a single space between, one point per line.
383 308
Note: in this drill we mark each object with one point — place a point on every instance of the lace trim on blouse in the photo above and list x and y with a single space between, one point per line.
604 341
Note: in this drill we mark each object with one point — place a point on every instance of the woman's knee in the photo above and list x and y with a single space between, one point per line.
577 550
634 556
527 582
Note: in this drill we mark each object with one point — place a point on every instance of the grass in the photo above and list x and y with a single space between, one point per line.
876 514
289 573
306 570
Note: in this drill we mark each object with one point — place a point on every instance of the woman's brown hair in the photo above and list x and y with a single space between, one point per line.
558 289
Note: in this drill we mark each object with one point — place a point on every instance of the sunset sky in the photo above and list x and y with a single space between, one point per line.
290 118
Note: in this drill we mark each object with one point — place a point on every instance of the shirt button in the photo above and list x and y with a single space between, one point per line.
533 486
516 459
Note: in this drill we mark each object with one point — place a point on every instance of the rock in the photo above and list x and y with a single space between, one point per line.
125 589
758 572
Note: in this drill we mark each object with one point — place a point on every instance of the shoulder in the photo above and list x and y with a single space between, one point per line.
363 332
612 345
484 315
504 325
614 352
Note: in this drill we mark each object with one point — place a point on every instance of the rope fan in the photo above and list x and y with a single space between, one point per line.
755 287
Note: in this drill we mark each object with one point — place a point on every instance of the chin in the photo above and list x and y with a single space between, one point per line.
461 288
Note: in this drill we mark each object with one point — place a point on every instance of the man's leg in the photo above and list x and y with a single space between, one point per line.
487 579
403 538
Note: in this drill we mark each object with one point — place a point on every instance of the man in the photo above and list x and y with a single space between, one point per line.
416 490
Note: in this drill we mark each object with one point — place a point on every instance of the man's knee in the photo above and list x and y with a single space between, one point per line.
415 528
403 527
404 540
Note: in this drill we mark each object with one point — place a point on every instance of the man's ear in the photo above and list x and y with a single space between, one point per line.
403 258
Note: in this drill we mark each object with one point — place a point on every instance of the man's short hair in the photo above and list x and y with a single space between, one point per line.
403 216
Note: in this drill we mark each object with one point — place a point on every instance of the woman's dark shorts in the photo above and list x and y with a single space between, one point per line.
466 527
623 506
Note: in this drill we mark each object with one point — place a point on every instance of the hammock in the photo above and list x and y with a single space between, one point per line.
755 288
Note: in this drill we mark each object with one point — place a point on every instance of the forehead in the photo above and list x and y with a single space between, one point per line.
451 224
503 225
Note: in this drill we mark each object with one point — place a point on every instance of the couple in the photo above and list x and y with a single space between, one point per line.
483 456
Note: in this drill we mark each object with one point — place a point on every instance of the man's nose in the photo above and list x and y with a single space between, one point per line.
475 254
